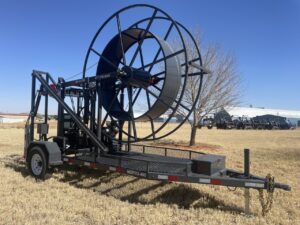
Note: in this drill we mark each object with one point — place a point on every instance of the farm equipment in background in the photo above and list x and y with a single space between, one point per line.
223 120
206 122
242 123
97 114
271 122
237 122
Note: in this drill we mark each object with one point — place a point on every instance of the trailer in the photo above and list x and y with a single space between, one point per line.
97 123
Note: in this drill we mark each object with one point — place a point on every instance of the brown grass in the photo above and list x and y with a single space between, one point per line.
74 195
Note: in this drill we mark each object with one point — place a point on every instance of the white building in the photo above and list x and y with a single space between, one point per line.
292 115
12 119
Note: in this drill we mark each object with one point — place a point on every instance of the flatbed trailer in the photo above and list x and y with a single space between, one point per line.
170 164
85 136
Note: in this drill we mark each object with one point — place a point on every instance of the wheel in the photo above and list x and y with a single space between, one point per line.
37 162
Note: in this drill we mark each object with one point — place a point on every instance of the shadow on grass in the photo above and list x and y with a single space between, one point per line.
182 195
15 162
188 197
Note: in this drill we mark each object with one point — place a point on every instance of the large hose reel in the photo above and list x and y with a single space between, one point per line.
153 54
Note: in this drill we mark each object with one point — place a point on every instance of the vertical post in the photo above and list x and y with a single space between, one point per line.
78 104
46 105
86 105
32 107
121 123
99 115
60 119
93 111
247 174
129 121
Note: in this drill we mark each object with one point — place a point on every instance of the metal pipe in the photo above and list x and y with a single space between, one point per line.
93 111
46 106
60 118
32 108
99 115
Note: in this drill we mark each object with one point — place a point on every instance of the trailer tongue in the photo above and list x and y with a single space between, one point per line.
100 130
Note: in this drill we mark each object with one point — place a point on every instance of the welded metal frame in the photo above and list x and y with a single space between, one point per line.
100 157
97 153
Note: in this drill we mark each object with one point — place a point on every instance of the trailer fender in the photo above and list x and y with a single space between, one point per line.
52 151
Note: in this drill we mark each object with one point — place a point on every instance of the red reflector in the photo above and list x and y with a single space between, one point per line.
71 161
173 178
216 182
53 87
93 165
120 169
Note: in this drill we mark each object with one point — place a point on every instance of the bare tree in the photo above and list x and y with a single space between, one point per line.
220 88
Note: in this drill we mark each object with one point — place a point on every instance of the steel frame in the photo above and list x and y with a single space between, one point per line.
88 142
139 159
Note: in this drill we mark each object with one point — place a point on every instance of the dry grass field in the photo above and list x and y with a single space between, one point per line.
85 196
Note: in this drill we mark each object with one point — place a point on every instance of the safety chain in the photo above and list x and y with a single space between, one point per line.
267 202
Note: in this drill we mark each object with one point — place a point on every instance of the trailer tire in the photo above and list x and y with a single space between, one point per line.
37 162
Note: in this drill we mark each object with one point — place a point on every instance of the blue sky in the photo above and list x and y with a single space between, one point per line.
54 35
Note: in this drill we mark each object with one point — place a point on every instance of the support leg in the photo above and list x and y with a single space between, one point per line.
247 174
247 201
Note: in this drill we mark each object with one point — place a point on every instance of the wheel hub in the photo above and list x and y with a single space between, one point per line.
36 164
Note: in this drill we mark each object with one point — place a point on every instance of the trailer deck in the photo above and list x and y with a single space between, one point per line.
168 164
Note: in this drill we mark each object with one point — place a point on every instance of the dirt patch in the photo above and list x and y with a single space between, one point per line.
4 145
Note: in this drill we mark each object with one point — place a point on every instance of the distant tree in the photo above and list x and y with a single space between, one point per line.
220 88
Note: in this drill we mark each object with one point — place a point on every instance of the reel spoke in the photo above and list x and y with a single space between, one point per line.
120 37
157 97
141 57
136 96
192 74
158 74
129 89
104 58
143 38
183 75
110 107
163 59
190 62
159 50
151 120
183 106
142 63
